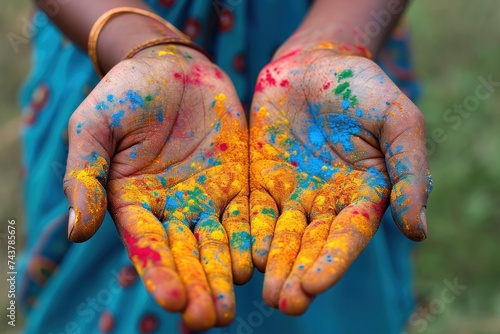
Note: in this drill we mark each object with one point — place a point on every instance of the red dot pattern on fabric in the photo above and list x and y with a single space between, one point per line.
127 276
226 20
106 322
148 324
167 3
192 28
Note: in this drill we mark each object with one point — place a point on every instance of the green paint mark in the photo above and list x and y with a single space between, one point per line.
148 98
188 56
269 212
345 74
340 88
347 94
235 212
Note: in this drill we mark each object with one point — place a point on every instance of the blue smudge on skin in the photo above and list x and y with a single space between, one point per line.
201 179
146 206
191 133
217 126
388 149
160 116
261 252
134 99
162 181
79 128
240 241
343 128
316 136
272 138
133 155
110 98
346 104
101 106
399 148
171 203
314 109
179 195
359 113
116 118
377 181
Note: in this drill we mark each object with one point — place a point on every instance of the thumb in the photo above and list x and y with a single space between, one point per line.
403 143
86 174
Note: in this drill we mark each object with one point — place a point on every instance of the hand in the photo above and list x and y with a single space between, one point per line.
330 138
162 142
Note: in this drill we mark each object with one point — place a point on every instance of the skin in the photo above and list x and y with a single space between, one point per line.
161 143
330 135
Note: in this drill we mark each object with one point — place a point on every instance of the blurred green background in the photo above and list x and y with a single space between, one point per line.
454 43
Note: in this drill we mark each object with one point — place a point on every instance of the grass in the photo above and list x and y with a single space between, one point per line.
454 43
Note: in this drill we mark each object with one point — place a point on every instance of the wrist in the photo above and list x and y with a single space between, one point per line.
332 38
123 33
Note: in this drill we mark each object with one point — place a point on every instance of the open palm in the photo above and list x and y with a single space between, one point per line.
331 138
162 143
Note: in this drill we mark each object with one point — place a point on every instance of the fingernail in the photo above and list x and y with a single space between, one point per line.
423 221
71 222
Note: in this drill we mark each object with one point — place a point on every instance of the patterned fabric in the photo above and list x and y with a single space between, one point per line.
92 287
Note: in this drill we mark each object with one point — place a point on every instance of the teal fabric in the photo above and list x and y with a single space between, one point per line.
66 287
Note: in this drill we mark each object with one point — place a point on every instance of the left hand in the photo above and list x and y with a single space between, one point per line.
331 137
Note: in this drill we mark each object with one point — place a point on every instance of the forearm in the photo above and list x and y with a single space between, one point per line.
360 25
119 35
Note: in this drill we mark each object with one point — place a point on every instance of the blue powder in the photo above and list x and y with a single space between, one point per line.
160 116
134 99
201 179
133 155
272 138
240 241
343 128
79 128
171 203
146 206
179 195
314 109
359 113
117 117
315 136
101 106
110 98
346 104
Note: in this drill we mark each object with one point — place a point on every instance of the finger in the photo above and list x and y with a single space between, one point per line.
235 222
403 136
86 174
349 234
216 261
264 213
147 246
294 300
200 311
284 249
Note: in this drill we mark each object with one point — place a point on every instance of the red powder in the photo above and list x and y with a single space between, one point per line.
283 304
284 83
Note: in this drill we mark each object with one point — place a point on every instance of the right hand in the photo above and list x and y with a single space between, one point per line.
162 143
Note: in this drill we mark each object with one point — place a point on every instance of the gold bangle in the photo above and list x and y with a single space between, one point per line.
166 40
104 18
